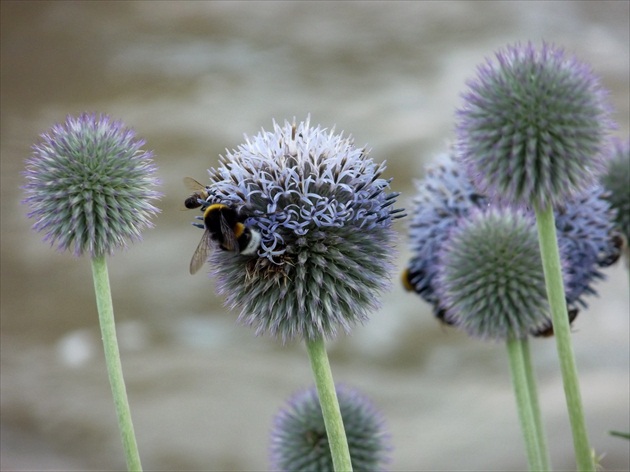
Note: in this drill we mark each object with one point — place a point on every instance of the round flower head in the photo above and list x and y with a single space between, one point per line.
299 440
90 185
589 241
323 216
533 125
490 277
617 182
446 197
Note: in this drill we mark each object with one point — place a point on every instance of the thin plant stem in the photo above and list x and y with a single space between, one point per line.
524 404
112 359
533 397
330 405
620 434
562 332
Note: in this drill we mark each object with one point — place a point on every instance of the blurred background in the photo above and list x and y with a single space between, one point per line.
191 78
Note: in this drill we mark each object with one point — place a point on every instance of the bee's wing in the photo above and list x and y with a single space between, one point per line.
201 254
229 238
193 185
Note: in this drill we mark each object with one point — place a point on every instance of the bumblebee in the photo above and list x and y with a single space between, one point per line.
200 192
225 226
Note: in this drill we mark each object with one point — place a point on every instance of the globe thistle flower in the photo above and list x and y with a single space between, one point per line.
446 197
490 277
617 182
299 440
324 217
587 236
90 186
532 127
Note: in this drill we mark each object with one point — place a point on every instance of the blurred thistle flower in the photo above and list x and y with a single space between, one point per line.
299 441
588 239
490 277
446 197
533 125
617 182
90 185
324 216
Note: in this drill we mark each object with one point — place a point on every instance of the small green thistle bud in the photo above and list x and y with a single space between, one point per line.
532 127
299 440
491 279
90 185
617 182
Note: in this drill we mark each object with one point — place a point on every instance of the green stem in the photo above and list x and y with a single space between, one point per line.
524 404
112 359
562 332
533 397
330 405
620 434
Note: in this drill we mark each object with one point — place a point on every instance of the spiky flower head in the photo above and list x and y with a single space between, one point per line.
299 440
617 181
533 125
490 277
586 232
446 197
324 215
90 186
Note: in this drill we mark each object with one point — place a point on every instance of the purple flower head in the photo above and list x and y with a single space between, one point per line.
446 198
90 186
324 217
443 197
589 241
533 125
299 440
490 278
617 182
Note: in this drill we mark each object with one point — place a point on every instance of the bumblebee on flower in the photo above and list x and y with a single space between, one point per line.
304 219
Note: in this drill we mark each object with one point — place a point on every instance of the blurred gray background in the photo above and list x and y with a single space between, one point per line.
191 78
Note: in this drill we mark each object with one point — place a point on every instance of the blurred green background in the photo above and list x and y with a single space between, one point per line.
191 78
